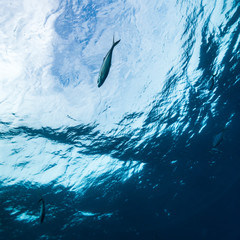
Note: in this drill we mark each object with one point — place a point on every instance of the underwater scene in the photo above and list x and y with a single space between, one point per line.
120 119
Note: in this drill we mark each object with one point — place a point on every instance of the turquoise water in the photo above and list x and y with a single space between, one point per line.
151 154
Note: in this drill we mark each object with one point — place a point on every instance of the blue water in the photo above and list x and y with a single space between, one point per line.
153 153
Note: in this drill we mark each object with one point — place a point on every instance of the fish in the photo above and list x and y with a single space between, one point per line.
211 82
42 210
106 65
218 139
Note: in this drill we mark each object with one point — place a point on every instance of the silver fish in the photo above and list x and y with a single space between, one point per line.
218 139
42 210
212 82
106 65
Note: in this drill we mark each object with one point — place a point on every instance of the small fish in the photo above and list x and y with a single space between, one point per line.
217 139
211 82
106 65
42 210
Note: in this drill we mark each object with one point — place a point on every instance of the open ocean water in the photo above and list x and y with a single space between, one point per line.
151 154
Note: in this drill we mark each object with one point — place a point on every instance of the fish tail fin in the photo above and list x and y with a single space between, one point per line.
41 200
115 43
